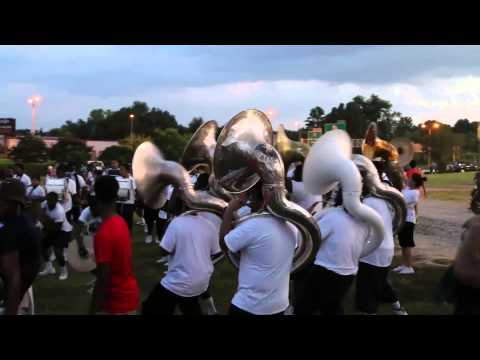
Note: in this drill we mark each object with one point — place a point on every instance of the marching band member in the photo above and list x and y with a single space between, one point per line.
336 263
157 217
70 190
57 235
20 175
116 291
191 242
81 188
373 286
266 244
411 194
20 254
126 204
114 169
35 192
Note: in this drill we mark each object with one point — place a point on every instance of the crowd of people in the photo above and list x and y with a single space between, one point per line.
38 222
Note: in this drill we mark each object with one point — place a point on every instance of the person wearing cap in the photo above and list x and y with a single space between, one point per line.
20 253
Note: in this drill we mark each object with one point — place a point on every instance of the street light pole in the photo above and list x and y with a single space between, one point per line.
131 116
34 101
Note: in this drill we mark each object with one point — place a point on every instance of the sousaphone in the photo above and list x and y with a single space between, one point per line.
405 149
291 151
244 155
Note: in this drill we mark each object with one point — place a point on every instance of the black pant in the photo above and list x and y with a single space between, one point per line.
236 311
299 280
151 217
163 302
324 291
59 241
126 212
373 288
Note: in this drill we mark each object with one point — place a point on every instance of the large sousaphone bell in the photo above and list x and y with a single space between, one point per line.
405 149
329 163
152 173
244 155
291 151
199 151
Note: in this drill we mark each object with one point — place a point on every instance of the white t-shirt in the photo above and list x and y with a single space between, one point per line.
244 211
81 181
167 192
36 194
127 183
411 199
191 241
58 216
343 241
266 245
25 179
383 255
91 223
303 198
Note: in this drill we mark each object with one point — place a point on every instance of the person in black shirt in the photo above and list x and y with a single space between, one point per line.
19 245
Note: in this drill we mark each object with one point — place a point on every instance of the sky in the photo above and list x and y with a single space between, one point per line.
217 82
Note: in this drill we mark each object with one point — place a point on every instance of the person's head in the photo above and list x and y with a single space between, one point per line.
10 172
35 180
61 170
255 199
202 182
416 181
106 189
124 171
114 164
298 173
52 200
12 197
19 169
413 164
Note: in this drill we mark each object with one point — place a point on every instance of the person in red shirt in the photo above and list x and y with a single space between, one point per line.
116 291
413 169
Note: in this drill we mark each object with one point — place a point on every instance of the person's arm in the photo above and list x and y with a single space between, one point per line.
228 218
467 262
99 295
10 270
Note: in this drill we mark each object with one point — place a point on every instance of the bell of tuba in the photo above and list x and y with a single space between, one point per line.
153 173
374 147
405 149
244 155
199 151
291 151
329 163
379 189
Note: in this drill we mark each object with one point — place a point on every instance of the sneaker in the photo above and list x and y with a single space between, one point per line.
400 311
148 239
163 260
63 273
407 270
52 257
289 311
399 268
141 222
47 270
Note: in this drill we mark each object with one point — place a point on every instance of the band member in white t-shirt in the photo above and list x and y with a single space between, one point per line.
191 242
336 263
57 235
411 193
298 194
266 245
126 199
20 175
373 286
70 189
35 192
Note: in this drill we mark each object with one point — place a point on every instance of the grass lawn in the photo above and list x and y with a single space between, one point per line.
450 186
70 297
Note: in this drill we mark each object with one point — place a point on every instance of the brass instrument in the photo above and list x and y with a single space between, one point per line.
244 155
405 149
291 151
198 154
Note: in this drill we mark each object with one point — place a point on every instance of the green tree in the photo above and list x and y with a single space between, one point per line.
70 150
463 126
404 127
315 117
30 149
123 154
137 141
195 124
170 142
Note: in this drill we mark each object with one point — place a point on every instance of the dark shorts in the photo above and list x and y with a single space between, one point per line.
373 288
405 236
162 301
57 239
236 311
323 291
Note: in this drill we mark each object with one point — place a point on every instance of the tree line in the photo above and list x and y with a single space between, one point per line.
161 127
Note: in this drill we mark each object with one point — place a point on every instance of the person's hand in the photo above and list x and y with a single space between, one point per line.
238 202
83 252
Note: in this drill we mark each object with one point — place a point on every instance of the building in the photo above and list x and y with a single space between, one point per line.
98 146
